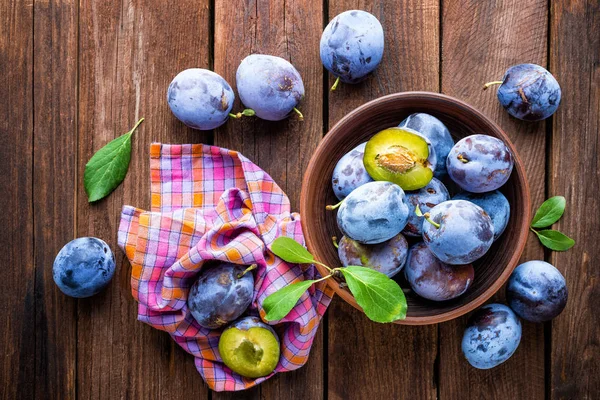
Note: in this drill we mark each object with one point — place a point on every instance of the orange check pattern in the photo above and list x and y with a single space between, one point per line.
209 204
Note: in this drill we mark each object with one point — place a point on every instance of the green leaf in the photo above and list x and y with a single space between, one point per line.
380 297
277 305
108 166
555 240
549 212
291 251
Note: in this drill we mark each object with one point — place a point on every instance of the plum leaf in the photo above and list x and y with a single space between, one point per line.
108 166
291 251
549 212
380 297
279 304
555 240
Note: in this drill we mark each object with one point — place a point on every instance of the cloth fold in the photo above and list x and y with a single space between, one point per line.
213 204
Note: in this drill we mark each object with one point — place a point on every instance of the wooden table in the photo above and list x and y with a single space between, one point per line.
74 75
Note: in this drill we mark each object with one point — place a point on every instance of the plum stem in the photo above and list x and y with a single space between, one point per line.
248 112
487 85
300 116
427 217
250 268
462 158
333 207
335 84
334 240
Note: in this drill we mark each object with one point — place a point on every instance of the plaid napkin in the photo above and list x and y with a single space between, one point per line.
210 203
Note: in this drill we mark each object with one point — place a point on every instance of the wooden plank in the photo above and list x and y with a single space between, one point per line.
130 51
480 41
17 299
369 360
291 30
575 61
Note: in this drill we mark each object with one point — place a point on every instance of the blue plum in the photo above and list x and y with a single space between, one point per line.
458 232
537 291
494 203
436 132
83 267
426 198
350 173
270 86
434 280
480 163
200 98
528 92
387 257
352 46
373 213
492 336
221 294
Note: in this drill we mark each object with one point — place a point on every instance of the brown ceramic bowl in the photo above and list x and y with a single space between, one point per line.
462 120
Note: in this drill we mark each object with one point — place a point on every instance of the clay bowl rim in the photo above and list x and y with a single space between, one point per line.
519 168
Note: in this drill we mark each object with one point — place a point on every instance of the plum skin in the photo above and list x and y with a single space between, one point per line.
349 172
269 85
200 98
373 213
219 296
492 336
495 204
436 132
480 163
83 267
388 257
352 45
537 291
465 234
529 92
427 197
434 280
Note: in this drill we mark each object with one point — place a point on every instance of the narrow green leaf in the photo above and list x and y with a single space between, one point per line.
555 240
108 166
380 297
277 305
549 212
291 251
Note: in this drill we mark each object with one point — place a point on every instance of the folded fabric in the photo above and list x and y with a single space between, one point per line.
209 204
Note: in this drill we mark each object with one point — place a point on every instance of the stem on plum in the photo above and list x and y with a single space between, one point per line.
462 158
248 112
335 84
487 85
300 116
333 207
335 244
250 268
427 217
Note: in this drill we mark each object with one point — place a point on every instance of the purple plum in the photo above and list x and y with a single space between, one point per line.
350 173
494 203
387 257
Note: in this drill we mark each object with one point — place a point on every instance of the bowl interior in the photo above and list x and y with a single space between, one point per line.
319 225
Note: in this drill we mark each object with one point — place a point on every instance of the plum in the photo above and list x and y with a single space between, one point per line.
270 86
528 92
387 257
352 46
437 133
426 198
83 267
492 336
250 347
401 156
480 163
458 232
350 173
221 294
494 203
373 213
434 280
200 98
537 291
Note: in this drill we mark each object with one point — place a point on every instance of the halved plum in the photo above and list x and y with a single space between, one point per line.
401 156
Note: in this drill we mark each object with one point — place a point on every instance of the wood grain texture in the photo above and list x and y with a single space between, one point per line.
130 51
480 41
17 298
368 360
575 61
289 29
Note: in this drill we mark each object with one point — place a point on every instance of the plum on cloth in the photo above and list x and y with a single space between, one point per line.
209 204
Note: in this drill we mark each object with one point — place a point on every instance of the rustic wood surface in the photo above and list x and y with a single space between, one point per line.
75 75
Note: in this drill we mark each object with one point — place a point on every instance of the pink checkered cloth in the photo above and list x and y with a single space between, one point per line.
210 203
